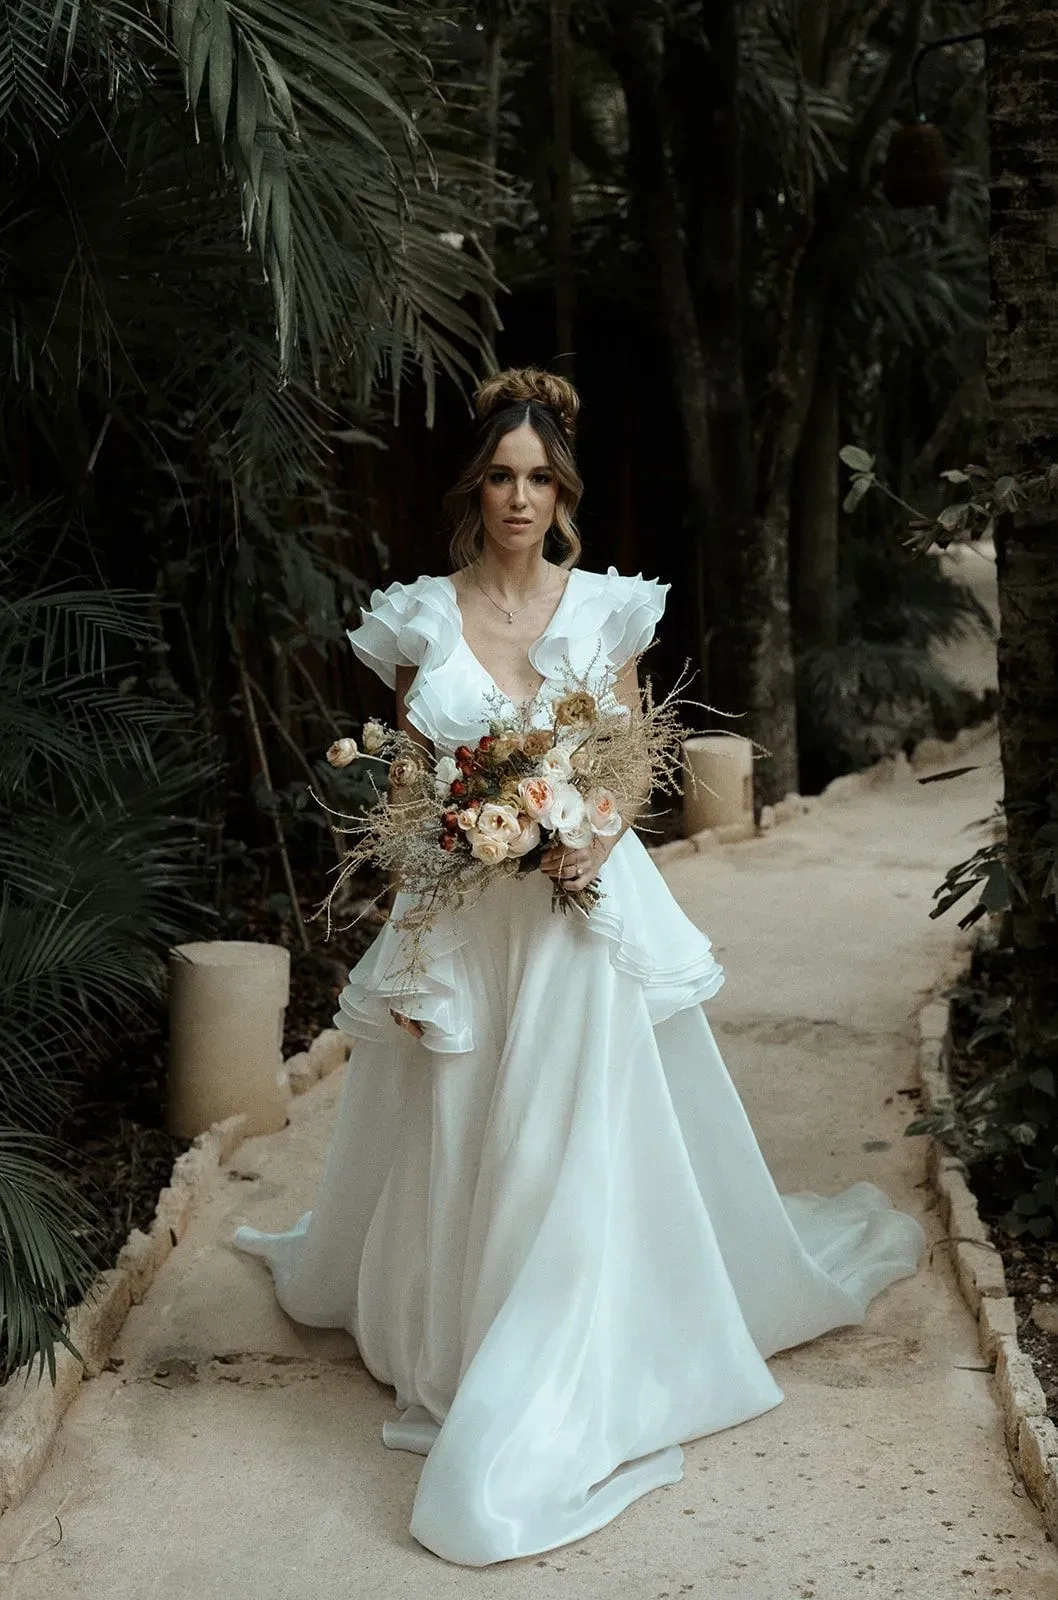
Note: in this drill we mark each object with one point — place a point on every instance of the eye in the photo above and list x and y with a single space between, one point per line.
542 477
498 474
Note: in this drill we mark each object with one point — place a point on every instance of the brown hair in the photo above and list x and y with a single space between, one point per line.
502 403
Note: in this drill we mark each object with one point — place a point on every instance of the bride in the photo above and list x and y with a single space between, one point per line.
543 1216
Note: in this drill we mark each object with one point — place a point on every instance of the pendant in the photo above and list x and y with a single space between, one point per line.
510 618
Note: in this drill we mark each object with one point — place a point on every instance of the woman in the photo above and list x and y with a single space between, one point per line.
544 1216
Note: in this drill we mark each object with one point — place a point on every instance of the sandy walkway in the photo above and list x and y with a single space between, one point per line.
236 1455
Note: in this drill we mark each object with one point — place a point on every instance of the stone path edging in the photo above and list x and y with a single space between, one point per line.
1031 1437
927 753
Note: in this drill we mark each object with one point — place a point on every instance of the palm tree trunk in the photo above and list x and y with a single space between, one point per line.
1023 384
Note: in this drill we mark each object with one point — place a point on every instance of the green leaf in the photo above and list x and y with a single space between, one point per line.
954 517
859 488
1042 1078
856 458
955 475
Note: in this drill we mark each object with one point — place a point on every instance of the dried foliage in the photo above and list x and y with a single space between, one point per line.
427 829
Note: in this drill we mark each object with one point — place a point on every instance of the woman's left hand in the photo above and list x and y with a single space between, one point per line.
575 869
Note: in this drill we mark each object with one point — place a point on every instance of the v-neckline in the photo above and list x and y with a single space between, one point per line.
454 597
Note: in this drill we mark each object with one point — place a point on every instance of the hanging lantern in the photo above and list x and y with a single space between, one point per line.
918 169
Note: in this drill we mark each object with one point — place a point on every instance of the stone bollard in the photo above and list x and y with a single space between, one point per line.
725 763
226 1005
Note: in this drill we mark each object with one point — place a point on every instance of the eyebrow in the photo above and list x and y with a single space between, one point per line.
503 466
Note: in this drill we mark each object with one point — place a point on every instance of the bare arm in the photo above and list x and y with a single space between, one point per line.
626 690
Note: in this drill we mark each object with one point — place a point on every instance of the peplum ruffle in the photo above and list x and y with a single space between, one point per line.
645 933
435 995
648 935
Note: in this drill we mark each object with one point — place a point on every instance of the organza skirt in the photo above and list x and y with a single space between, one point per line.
548 1224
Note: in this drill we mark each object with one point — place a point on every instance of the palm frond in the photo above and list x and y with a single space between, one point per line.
44 1262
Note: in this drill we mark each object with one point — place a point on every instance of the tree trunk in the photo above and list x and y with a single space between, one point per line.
562 215
1023 383
656 216
814 547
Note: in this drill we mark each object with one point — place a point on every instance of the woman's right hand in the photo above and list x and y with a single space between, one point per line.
408 1023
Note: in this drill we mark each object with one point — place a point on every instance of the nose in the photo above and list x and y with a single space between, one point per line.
518 497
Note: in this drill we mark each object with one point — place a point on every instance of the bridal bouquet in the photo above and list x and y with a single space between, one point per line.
445 829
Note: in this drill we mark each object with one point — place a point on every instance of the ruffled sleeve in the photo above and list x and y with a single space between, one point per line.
383 641
602 609
410 625
636 607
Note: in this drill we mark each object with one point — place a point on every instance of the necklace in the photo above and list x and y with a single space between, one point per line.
510 615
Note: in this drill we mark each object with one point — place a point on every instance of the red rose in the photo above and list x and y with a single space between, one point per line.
464 753
451 820
457 786
484 741
448 841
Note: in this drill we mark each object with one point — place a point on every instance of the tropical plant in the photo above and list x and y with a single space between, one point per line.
1013 1112
101 874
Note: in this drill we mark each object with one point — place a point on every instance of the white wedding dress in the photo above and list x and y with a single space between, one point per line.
547 1223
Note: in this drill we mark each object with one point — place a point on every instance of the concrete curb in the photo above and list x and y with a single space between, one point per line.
927 753
30 1416
1031 1437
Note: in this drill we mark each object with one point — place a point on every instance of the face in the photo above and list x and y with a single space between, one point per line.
519 491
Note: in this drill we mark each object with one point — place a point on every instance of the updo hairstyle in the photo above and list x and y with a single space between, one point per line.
502 403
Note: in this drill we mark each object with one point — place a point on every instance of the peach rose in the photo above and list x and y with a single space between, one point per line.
468 817
527 840
537 795
603 813
488 848
499 822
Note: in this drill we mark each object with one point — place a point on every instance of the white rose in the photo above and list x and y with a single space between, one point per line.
342 751
468 817
445 773
576 838
487 847
527 840
499 821
373 737
555 764
568 817
603 814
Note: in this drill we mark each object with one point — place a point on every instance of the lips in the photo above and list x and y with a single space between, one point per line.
518 522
